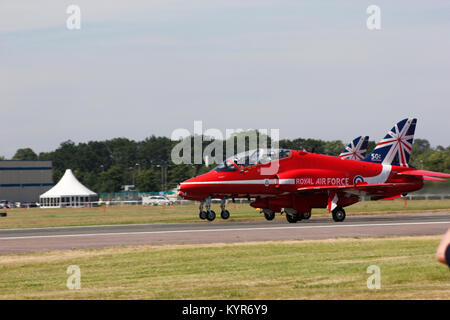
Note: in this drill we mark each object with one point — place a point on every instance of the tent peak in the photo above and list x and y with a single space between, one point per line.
68 186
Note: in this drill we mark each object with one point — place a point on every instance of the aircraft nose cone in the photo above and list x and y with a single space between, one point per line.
186 186
195 186
182 187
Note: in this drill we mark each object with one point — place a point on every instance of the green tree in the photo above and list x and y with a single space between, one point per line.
370 146
334 148
111 180
154 151
438 161
420 146
148 181
25 154
122 152
180 173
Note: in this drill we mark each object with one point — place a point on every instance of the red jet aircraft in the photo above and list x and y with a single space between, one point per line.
302 180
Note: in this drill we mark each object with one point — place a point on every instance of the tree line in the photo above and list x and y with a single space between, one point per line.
106 166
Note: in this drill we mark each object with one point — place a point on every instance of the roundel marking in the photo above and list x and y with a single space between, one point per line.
358 179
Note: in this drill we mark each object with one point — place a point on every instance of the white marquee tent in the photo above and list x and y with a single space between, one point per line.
68 192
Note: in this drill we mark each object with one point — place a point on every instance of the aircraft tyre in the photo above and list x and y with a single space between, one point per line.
225 214
306 215
202 215
211 215
292 218
338 214
269 215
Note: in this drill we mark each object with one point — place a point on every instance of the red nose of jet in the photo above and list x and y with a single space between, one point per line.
194 188
183 187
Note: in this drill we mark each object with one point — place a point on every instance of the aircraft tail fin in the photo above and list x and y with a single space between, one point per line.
356 150
396 146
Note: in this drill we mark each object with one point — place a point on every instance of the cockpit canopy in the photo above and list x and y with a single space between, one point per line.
252 157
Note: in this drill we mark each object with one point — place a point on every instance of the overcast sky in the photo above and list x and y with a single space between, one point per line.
309 68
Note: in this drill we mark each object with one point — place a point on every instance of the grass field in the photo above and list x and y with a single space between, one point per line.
36 217
319 269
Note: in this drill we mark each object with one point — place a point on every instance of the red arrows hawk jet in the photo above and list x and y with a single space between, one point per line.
294 182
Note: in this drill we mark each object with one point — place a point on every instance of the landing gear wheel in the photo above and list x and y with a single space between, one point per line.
211 215
306 215
338 214
225 214
202 215
291 218
269 215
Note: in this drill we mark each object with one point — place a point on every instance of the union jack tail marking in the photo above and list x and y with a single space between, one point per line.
356 150
395 147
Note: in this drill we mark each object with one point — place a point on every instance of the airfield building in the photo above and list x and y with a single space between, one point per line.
24 181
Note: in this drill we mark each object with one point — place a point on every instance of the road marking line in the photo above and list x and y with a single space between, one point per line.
224 230
394 214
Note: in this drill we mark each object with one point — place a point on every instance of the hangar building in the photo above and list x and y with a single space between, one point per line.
24 181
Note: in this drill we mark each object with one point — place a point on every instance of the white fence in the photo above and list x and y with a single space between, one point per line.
244 200
241 200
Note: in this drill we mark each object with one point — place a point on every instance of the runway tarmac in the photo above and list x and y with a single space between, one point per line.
48 239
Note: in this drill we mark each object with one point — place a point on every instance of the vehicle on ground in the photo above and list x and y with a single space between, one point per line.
159 200
7 204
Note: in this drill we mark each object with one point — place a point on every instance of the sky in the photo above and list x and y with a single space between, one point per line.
136 68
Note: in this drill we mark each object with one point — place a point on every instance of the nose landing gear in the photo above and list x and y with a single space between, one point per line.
224 214
203 214
209 214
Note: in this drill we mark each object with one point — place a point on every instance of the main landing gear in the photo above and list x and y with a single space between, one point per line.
293 216
268 214
338 214
209 214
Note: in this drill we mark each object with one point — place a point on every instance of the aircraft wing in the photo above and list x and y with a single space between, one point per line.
356 189
375 191
425 173
433 178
